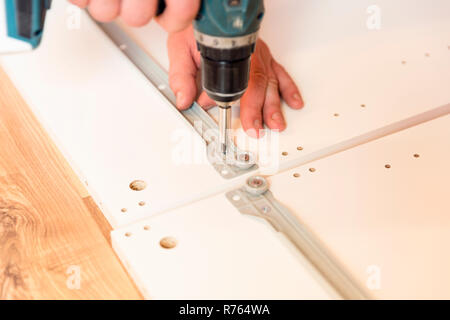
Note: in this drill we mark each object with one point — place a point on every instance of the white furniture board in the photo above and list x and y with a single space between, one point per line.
220 254
114 127
388 222
341 64
389 228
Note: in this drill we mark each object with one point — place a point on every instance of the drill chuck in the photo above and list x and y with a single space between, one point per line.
225 72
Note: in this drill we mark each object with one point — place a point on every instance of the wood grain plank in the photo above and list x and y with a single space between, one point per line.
47 228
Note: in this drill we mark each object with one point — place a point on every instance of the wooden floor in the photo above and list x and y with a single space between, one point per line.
54 242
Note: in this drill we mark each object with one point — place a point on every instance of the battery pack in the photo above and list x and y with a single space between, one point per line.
21 24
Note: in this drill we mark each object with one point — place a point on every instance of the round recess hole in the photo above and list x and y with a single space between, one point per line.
128 234
284 153
312 169
123 209
138 185
168 242
416 155
146 228
387 166
296 175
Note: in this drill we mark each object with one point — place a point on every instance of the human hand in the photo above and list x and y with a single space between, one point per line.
177 15
261 102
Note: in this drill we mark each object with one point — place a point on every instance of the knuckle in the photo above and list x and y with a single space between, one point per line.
260 78
273 82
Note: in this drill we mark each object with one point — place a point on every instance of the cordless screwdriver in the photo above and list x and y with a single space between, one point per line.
226 32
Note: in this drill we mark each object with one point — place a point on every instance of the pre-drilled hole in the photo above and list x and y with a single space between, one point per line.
284 153
363 106
416 155
387 166
123 209
336 114
138 185
168 242
296 175
427 55
312 169
299 148
403 62
128 234
146 228
142 203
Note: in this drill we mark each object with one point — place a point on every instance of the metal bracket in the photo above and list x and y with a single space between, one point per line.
255 199
239 162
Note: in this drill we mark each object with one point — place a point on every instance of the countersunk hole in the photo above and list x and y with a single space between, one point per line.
128 234
146 228
312 169
296 175
142 203
236 197
387 166
168 242
284 153
123 209
416 155
299 148
138 185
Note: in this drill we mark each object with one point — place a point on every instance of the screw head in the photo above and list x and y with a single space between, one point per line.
265 209
256 185
245 160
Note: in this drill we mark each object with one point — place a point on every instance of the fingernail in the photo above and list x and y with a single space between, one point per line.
180 100
259 128
257 124
278 118
297 100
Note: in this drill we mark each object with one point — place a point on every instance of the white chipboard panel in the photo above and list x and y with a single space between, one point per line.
388 227
219 254
383 209
360 65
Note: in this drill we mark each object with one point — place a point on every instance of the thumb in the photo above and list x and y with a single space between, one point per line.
183 68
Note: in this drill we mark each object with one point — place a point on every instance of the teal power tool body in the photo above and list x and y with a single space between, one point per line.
22 24
226 32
